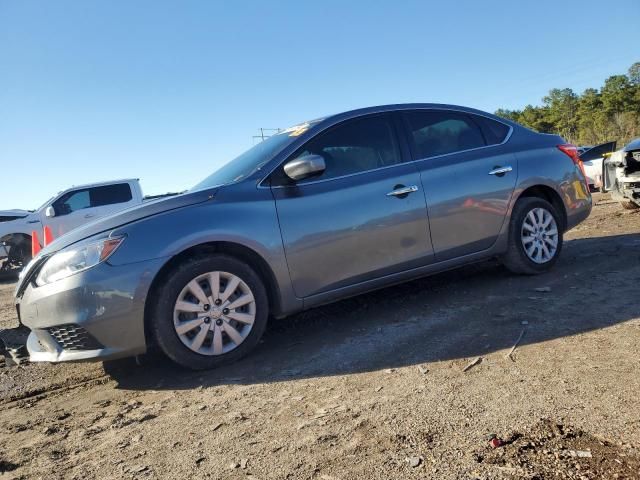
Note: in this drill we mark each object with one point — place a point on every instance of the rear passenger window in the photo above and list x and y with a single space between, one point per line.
494 132
436 132
110 194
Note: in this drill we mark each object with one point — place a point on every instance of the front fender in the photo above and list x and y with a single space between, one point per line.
18 227
250 222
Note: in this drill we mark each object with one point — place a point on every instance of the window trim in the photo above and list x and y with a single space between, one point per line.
393 123
414 156
404 141
88 189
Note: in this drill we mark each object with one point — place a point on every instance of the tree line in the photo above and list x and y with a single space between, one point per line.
609 113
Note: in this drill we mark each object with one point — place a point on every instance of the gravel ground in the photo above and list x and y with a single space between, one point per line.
374 387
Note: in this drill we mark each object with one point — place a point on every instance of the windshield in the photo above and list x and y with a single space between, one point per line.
44 204
253 159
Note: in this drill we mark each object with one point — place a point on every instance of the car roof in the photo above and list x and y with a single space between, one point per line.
98 184
414 106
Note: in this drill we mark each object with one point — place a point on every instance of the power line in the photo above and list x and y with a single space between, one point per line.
264 134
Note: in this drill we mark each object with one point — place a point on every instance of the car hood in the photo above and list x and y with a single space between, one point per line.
129 215
632 145
15 213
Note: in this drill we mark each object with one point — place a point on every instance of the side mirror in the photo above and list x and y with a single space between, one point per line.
304 167
50 212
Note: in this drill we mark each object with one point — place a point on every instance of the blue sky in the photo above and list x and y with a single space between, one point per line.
168 91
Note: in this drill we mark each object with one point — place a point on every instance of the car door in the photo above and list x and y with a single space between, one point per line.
363 217
78 207
70 210
108 199
467 176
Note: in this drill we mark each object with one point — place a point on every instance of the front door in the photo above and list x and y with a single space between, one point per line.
364 217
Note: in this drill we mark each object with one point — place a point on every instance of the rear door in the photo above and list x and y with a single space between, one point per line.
468 178
352 223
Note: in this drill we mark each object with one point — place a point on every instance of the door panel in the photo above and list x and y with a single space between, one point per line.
467 205
347 230
467 178
70 209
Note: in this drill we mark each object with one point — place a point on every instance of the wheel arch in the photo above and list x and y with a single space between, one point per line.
236 250
550 195
17 239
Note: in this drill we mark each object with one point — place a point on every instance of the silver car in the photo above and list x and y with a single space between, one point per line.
321 211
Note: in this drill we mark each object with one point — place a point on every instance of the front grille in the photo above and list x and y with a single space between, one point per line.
74 337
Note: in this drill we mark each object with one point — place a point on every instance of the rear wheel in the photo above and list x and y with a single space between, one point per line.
210 311
535 237
629 205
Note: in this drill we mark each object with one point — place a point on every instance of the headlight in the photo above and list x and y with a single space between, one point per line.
77 259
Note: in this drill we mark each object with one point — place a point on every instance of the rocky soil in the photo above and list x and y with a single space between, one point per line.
414 381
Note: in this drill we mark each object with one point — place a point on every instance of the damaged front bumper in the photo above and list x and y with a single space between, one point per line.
95 315
621 174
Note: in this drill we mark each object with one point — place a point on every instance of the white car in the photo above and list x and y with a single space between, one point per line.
64 212
622 175
592 159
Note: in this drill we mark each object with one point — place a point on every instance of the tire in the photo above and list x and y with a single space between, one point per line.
629 205
516 259
24 254
167 316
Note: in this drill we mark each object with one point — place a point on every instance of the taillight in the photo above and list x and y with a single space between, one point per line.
572 152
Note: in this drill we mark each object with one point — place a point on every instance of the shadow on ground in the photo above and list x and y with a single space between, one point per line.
469 312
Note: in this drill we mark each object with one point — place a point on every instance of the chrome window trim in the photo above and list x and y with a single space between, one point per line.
394 110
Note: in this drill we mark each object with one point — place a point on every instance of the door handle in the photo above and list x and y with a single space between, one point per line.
500 171
401 191
89 215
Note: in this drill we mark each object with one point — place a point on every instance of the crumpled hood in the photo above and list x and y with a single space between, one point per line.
123 217
15 213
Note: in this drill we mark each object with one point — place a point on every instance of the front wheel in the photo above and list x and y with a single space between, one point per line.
209 311
535 237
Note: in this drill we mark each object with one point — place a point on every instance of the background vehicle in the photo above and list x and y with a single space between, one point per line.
64 212
621 174
321 211
592 159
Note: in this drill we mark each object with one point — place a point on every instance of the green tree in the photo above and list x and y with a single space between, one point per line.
591 120
634 73
562 105
598 115
513 115
616 94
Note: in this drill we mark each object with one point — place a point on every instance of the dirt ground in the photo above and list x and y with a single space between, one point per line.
372 387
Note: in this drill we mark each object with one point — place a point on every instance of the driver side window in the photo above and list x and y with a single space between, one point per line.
72 201
355 146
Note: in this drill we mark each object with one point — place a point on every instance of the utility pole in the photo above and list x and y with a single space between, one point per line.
264 134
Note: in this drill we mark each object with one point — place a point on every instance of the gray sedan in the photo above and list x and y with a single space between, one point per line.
321 211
